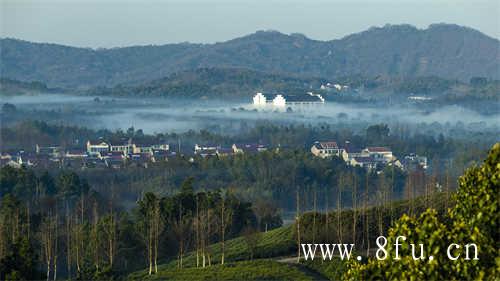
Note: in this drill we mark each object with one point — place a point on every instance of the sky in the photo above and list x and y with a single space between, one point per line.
113 23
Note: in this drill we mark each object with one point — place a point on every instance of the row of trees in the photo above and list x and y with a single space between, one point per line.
370 209
473 219
60 228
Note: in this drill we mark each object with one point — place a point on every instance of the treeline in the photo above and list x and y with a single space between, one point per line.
59 228
364 223
271 175
274 174
227 83
11 87
424 139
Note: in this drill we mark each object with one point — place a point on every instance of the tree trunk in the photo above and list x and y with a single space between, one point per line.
297 221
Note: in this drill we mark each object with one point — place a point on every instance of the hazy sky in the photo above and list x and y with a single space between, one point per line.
113 23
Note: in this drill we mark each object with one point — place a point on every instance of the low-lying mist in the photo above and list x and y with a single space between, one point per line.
176 115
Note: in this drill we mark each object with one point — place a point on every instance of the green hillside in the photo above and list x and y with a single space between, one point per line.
247 270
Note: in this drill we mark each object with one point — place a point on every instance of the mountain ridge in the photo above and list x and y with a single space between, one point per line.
448 51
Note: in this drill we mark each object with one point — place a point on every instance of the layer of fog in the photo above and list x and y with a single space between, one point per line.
167 115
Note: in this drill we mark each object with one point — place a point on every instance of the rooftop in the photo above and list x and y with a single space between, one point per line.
302 98
378 149
328 145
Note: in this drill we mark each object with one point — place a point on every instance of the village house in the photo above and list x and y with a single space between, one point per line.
349 152
379 154
367 162
23 158
75 153
326 149
162 155
248 148
52 151
113 154
370 157
139 147
330 86
125 147
206 150
96 148
224 151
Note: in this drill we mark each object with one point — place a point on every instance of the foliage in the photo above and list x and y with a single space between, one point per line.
247 270
473 219
11 87
274 243
331 269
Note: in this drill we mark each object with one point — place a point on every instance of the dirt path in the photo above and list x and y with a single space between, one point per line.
292 261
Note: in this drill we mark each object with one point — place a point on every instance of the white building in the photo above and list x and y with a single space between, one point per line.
96 148
282 101
379 154
326 149
259 99
125 148
279 101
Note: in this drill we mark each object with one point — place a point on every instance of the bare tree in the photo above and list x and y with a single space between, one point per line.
297 222
225 222
95 239
157 229
56 242
196 226
340 186
354 206
366 215
48 234
181 228
68 240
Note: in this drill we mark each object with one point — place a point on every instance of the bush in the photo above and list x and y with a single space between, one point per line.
473 219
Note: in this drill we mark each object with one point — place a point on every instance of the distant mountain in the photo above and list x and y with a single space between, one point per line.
443 50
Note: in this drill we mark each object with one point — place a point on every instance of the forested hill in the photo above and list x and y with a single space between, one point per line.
202 83
238 84
9 87
443 50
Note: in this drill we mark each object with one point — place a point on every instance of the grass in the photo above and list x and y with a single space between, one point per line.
331 269
245 270
274 243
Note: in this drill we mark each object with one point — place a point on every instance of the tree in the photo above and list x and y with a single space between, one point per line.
377 133
478 81
474 219
252 237
149 220
226 217
8 108
267 215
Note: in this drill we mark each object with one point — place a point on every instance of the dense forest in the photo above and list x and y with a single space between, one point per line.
60 227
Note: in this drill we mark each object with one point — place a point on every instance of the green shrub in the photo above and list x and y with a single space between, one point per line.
473 219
